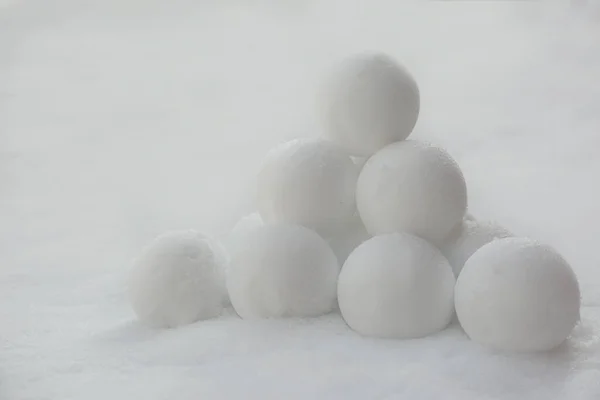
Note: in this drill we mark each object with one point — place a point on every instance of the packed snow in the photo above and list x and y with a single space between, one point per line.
516 294
411 186
369 101
396 286
310 182
121 120
178 279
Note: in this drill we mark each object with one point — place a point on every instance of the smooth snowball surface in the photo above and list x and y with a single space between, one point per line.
178 279
308 182
244 227
469 237
283 271
369 102
414 187
396 286
515 294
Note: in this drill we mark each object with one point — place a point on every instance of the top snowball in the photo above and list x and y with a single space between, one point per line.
369 101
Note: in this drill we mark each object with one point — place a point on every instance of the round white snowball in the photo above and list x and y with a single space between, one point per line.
244 227
222 256
469 237
344 242
307 182
396 286
414 187
283 271
517 295
177 280
369 102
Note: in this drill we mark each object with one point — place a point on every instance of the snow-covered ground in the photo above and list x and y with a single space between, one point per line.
120 119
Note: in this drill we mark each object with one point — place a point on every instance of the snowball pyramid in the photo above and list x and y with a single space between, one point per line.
178 279
368 102
467 238
411 186
283 271
396 286
309 182
515 294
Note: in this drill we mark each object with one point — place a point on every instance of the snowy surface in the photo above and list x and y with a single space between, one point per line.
120 120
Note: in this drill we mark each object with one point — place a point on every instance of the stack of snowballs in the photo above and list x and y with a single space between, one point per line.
368 222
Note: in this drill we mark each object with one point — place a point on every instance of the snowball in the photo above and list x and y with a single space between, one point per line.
307 182
515 294
414 187
178 279
396 286
467 238
369 102
345 241
283 271
244 227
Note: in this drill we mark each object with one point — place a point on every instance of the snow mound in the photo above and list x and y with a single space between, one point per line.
308 182
283 271
178 279
369 101
414 187
396 286
515 294
469 237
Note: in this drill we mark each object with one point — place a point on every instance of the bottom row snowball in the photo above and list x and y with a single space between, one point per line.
515 294
178 279
283 271
512 294
396 286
